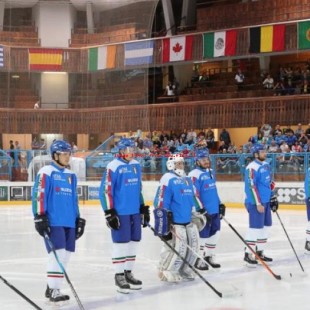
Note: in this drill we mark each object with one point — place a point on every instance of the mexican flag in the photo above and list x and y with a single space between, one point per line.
220 43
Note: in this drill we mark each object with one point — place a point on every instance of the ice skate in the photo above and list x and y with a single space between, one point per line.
250 260
307 248
201 265
121 283
263 257
57 298
48 292
134 283
211 262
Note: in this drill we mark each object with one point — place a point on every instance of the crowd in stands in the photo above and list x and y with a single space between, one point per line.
285 143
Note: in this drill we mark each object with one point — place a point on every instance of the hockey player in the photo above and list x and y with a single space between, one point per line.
122 202
307 199
205 182
56 212
177 198
259 202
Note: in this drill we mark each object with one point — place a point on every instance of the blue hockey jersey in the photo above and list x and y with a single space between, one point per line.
307 183
55 194
178 195
257 180
121 187
205 183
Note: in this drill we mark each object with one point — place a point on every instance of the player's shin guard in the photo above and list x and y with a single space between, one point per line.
261 244
210 244
251 237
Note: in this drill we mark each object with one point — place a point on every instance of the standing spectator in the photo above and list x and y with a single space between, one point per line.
205 182
122 202
169 89
266 131
239 79
259 202
210 138
37 105
12 149
56 212
225 137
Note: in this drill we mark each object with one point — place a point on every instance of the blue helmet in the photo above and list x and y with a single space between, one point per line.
256 148
201 153
125 142
59 146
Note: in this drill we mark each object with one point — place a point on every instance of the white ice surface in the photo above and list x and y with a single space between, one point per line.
23 261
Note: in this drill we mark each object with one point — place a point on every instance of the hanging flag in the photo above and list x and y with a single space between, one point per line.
44 59
177 48
221 43
267 39
1 56
102 57
304 35
139 53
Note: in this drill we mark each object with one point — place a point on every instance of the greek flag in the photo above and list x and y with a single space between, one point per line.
139 53
1 57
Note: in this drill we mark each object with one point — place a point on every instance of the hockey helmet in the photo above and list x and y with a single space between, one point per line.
172 160
256 148
60 146
201 153
124 143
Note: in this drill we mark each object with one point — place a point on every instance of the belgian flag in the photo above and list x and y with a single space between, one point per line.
267 39
304 35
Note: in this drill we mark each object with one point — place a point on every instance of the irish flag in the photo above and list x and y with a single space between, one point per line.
177 48
102 57
220 43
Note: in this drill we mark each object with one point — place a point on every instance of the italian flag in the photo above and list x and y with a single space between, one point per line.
220 43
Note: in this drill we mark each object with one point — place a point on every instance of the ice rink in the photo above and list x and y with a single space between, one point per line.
23 261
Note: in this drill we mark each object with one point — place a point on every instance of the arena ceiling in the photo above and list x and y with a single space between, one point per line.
78 4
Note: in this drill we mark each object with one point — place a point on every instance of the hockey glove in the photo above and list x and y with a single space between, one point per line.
208 217
274 204
41 224
222 210
145 215
79 227
112 219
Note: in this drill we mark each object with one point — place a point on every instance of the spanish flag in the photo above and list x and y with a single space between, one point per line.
267 39
304 35
43 59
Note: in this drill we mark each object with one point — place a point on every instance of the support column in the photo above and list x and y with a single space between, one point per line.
188 17
169 18
2 5
90 18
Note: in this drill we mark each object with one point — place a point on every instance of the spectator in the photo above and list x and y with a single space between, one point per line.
268 82
169 89
210 138
266 131
74 147
273 147
37 105
279 88
239 78
12 149
276 130
299 131
307 132
224 136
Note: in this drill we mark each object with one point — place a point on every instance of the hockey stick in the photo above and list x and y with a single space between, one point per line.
289 240
20 293
51 245
278 277
186 262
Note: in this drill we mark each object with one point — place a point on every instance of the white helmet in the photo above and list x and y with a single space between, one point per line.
172 160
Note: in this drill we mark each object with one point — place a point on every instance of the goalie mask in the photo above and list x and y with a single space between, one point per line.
175 163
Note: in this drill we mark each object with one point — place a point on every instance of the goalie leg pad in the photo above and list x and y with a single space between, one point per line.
193 243
170 263
199 220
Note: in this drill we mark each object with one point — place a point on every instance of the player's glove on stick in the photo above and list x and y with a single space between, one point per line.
274 204
145 215
112 219
41 224
79 227
222 210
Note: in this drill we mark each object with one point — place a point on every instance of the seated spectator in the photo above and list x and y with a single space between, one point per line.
303 139
268 82
273 147
305 87
299 131
276 130
279 88
210 138
266 131
169 89
279 138
290 139
191 137
239 79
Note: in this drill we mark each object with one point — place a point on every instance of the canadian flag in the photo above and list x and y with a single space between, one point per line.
177 48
